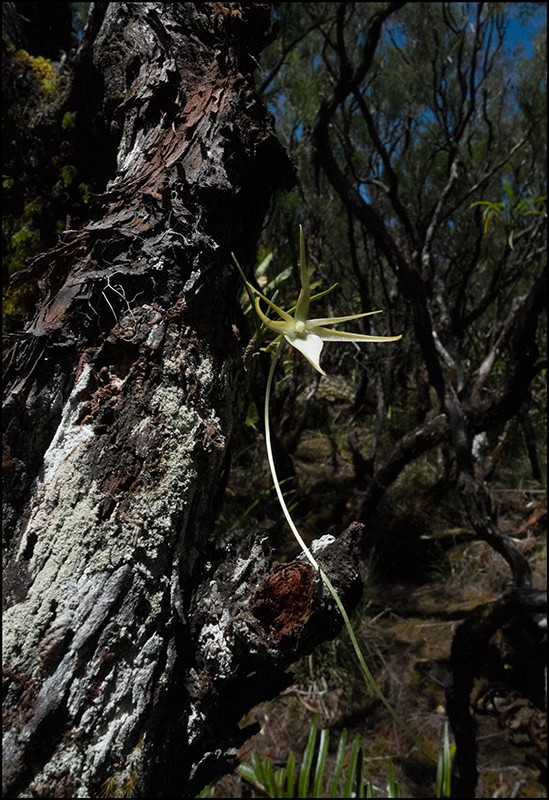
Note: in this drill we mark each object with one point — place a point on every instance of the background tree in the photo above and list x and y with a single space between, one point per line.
134 640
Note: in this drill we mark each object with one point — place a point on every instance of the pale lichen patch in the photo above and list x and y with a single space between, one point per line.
62 546
68 435
205 374
177 417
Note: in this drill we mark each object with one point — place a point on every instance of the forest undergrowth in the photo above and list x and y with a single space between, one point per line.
423 572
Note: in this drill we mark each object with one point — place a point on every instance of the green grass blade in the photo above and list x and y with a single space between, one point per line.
338 767
359 784
444 768
254 773
356 752
370 680
269 776
306 764
394 788
320 769
290 775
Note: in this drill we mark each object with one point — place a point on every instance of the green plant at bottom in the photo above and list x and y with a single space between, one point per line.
444 766
317 777
344 780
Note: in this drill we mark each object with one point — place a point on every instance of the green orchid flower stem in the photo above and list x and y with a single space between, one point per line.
370 680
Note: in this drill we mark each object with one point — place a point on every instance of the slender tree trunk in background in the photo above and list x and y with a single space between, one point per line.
132 647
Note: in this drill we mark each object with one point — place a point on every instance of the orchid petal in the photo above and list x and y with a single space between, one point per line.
335 320
310 346
279 326
279 311
333 336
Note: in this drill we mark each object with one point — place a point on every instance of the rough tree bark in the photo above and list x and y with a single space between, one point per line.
132 644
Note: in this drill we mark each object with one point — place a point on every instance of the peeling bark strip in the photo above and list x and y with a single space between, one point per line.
121 397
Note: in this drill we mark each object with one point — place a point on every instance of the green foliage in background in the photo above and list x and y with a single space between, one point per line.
509 212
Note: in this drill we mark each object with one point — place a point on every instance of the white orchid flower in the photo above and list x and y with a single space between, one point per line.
308 335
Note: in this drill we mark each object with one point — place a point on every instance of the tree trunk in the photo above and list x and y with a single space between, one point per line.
132 645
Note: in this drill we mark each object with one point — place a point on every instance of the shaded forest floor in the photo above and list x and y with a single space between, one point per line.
425 572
